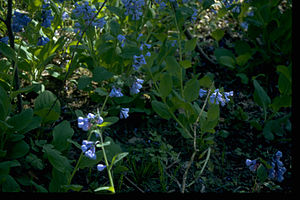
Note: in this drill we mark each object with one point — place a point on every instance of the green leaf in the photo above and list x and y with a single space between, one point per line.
218 34
262 173
261 97
58 161
268 130
61 133
22 120
281 101
241 60
111 189
9 184
38 187
191 90
172 66
205 82
34 161
74 143
211 120
7 51
113 149
227 61
103 144
100 74
4 104
186 64
73 187
244 78
17 150
117 158
161 109
190 45
42 105
101 91
165 85
114 27
83 82
108 121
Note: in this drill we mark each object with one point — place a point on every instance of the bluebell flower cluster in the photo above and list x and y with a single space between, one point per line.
86 123
277 170
227 3
19 21
121 39
161 3
252 164
138 61
100 167
89 149
217 97
124 113
136 86
115 92
236 9
134 8
194 15
42 41
4 40
65 16
244 25
46 16
86 13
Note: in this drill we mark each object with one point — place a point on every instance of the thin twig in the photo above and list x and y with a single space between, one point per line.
134 184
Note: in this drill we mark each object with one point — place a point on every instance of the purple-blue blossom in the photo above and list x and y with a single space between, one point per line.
46 16
89 149
134 8
100 167
138 61
136 86
202 92
86 13
42 41
121 39
277 170
252 164
124 113
4 40
86 123
115 92
19 21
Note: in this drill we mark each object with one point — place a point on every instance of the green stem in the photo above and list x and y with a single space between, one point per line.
81 154
107 164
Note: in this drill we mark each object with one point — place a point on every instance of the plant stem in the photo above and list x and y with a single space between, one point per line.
107 164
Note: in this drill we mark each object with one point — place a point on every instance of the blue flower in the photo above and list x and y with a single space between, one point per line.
121 39
194 16
46 17
277 170
4 40
115 92
136 86
65 16
252 164
133 8
124 113
19 21
217 97
147 45
100 167
202 92
86 13
244 25
89 149
42 41
83 123
138 61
